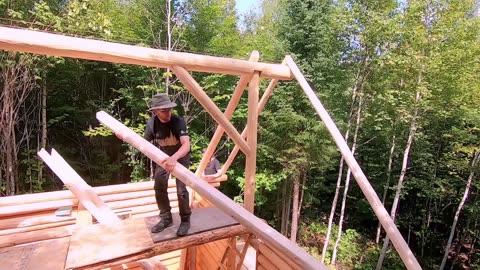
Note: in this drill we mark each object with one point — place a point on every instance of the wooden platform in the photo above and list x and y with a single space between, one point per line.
102 245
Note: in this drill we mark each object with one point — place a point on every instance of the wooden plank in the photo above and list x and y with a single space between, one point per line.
201 220
82 48
40 256
98 243
391 229
278 253
174 244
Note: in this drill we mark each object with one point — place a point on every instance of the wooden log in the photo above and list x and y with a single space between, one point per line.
232 105
19 209
174 244
82 48
367 189
36 227
197 91
290 262
251 157
253 223
77 185
274 258
278 260
263 101
107 193
127 196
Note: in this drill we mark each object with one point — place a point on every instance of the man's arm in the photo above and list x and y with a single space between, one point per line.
170 162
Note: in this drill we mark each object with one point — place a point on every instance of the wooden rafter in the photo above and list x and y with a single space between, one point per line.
400 244
60 45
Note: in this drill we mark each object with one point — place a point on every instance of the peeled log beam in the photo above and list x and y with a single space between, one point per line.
175 244
240 214
67 194
60 45
390 228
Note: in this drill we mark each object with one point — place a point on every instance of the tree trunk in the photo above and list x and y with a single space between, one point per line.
406 154
459 210
43 140
387 185
17 84
286 204
295 210
339 179
347 182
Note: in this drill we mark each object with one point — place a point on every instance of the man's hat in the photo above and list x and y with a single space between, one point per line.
161 101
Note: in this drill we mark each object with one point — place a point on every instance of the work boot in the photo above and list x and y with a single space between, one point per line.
183 228
165 222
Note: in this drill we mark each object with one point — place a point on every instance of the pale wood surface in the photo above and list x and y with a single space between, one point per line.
202 219
367 189
45 255
79 187
251 157
98 243
82 48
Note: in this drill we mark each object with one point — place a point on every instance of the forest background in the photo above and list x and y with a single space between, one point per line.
400 78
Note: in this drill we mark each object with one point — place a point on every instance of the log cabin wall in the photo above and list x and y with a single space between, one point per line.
31 217
268 258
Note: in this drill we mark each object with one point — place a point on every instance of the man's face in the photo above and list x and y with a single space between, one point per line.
163 114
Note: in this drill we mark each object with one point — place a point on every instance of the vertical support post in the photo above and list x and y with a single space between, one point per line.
251 157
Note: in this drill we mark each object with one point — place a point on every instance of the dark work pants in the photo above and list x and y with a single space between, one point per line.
161 192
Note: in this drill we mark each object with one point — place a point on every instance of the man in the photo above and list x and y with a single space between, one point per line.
169 133
212 170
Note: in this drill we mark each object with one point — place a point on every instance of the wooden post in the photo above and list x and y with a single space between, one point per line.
211 108
232 105
21 40
251 160
401 246
240 214
266 95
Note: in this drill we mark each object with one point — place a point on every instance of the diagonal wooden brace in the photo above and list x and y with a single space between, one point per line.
84 192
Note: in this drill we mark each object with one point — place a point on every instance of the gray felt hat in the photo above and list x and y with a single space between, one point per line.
161 101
